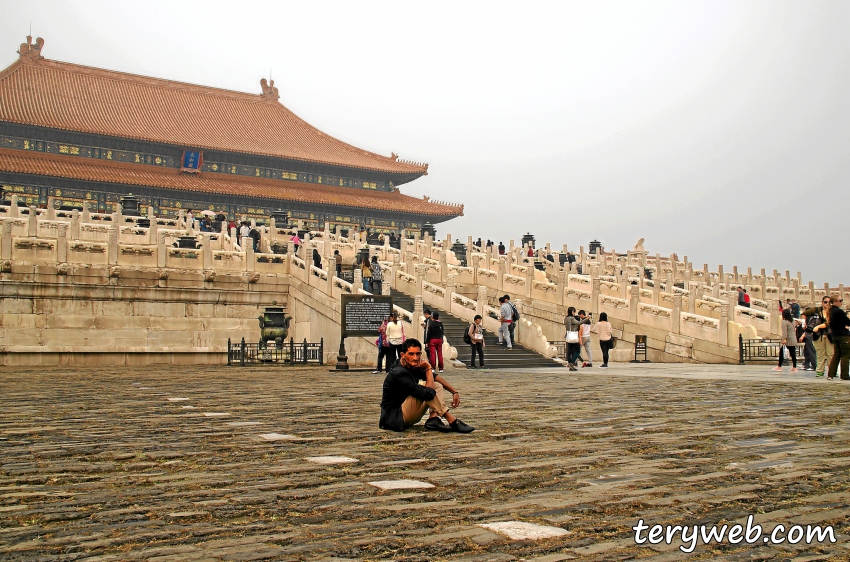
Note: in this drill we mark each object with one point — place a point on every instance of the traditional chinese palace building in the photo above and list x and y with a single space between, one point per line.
80 134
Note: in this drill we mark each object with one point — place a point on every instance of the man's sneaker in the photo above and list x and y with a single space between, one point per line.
819 374
460 427
440 371
809 369
572 367
584 364
588 365
375 372
436 424
603 366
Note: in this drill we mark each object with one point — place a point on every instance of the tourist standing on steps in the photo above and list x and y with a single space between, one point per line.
394 333
839 325
476 339
426 314
338 259
317 259
741 296
746 299
585 338
377 276
296 241
434 337
788 338
514 318
411 388
506 319
605 331
501 249
820 334
573 323
366 269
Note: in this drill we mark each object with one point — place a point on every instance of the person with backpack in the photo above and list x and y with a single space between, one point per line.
810 355
474 337
377 276
821 336
514 318
434 337
839 326
506 313
366 270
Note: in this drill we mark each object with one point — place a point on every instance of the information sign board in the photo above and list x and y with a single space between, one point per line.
362 315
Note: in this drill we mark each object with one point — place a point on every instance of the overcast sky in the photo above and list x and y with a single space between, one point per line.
717 130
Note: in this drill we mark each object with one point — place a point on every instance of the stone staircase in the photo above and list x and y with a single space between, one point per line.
495 356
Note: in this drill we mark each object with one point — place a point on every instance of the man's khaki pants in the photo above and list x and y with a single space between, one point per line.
824 350
413 409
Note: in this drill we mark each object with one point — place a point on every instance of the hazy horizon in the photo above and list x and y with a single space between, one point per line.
716 130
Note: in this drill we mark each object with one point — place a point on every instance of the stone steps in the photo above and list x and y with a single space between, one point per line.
495 356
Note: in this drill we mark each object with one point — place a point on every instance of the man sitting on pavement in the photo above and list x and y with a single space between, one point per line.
410 389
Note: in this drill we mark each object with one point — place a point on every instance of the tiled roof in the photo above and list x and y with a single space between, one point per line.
77 168
71 97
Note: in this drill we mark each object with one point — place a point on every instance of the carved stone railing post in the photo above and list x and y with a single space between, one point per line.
51 209
634 303
161 250
32 221
13 207
417 314
393 272
595 286
250 259
385 288
444 268
500 276
419 273
723 335
656 290
118 215
207 253
476 263
86 217
74 231
529 280
676 314
6 241
62 243
450 288
153 228
112 237
358 280
330 271
482 301
775 316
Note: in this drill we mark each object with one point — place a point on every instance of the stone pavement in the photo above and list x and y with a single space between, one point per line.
190 463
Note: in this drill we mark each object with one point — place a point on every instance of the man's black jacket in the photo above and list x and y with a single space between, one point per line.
838 322
400 383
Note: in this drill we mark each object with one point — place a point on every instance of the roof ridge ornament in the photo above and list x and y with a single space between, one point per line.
269 91
30 50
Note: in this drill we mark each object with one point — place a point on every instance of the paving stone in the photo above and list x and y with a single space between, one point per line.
400 484
520 530
330 460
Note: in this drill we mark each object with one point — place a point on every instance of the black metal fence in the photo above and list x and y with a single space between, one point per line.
291 353
762 350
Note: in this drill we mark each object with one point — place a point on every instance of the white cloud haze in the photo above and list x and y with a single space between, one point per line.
716 130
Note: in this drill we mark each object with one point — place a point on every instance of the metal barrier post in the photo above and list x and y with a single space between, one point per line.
304 357
322 351
242 358
292 351
228 352
740 349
